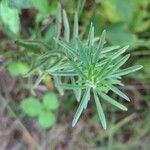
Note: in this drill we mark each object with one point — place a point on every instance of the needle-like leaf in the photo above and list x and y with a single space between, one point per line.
66 26
100 110
126 71
112 101
100 46
82 105
117 91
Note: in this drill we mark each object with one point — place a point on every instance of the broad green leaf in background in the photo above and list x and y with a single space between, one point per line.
118 10
50 101
18 68
20 4
119 34
46 119
31 106
145 75
41 5
9 17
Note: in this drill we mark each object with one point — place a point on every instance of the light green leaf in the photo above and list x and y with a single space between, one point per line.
100 46
100 111
82 52
66 26
58 81
58 21
104 69
126 71
36 66
82 105
67 47
46 119
41 5
31 106
68 86
91 36
50 101
64 73
9 17
75 26
20 4
18 68
117 91
112 101
78 91
117 64
119 52
109 49
78 70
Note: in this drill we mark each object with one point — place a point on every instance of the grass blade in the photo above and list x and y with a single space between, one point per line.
100 110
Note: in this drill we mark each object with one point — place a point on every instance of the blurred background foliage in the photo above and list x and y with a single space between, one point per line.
127 22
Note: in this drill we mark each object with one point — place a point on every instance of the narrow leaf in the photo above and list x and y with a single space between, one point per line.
64 73
81 106
77 92
58 21
75 26
80 72
126 71
100 111
91 36
82 53
100 45
66 47
68 86
112 101
66 26
117 91
119 52
118 64
109 49
57 80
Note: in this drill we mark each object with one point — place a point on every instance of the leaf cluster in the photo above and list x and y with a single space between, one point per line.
43 111
90 66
